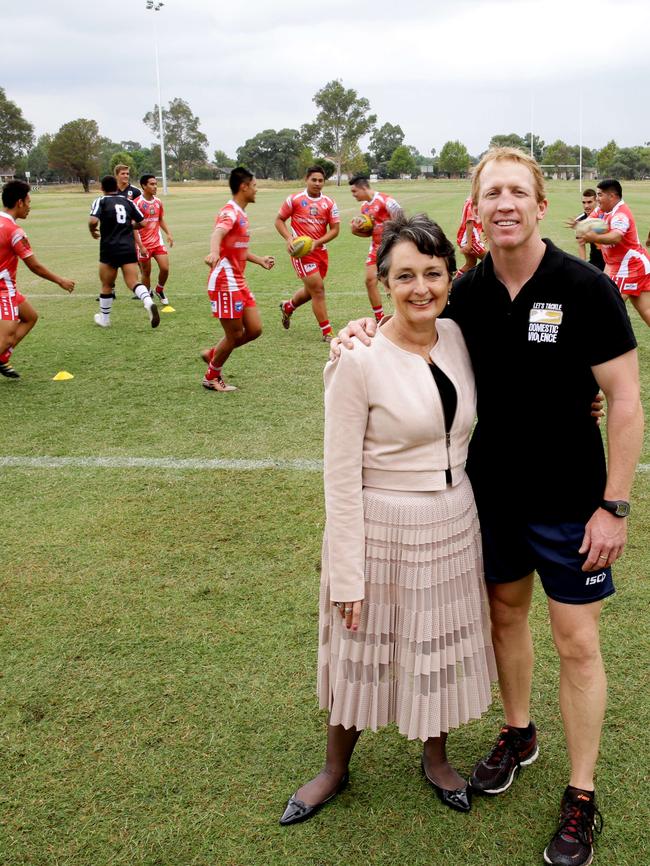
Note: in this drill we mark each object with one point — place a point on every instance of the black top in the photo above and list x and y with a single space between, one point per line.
116 216
536 447
448 395
595 253
449 398
130 192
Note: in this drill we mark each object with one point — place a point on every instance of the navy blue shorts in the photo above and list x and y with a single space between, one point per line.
513 550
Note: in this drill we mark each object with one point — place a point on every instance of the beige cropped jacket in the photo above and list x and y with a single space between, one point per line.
384 428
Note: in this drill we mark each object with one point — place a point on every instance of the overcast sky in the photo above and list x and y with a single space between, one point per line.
463 69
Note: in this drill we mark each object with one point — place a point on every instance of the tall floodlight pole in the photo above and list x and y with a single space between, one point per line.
156 6
532 120
580 160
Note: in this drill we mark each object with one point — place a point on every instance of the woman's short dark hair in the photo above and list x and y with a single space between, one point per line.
427 236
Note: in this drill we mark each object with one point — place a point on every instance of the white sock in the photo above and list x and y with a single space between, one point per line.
105 304
142 294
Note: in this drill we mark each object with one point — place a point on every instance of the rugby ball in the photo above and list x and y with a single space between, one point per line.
301 246
591 225
362 225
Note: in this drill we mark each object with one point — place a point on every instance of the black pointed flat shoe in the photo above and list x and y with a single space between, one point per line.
460 799
298 811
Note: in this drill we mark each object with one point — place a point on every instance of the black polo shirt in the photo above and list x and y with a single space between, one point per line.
130 192
536 450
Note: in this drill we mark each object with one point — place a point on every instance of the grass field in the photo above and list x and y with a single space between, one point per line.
159 625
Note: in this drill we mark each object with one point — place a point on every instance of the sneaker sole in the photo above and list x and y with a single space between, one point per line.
492 792
586 863
228 390
10 375
154 315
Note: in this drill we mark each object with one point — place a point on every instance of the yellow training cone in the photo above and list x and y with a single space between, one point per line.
168 309
62 376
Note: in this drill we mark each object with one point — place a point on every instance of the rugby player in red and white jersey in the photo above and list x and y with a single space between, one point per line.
316 215
380 207
17 316
626 262
232 301
469 237
151 236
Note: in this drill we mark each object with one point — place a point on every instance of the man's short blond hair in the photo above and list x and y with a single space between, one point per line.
119 168
509 154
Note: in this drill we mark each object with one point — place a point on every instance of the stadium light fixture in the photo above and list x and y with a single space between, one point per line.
156 6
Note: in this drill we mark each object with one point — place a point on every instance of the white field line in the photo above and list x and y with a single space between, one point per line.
299 465
200 292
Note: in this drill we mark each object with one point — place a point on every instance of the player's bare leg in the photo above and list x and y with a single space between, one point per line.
131 275
162 260
8 332
374 293
107 277
28 318
26 321
237 332
7 335
145 272
641 304
315 287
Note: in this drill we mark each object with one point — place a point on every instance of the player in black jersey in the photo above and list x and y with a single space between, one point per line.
116 220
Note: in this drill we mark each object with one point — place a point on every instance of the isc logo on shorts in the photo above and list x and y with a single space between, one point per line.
309 267
213 304
239 306
593 579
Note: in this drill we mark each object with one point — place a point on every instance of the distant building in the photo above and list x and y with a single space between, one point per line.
568 172
7 174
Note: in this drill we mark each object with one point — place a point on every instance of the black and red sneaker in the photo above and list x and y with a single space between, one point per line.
7 370
573 844
498 769
286 317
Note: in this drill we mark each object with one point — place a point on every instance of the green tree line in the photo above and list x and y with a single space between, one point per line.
78 151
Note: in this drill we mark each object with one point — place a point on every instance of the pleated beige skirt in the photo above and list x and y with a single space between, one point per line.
422 657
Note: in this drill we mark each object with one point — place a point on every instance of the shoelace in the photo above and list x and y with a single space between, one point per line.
578 820
505 742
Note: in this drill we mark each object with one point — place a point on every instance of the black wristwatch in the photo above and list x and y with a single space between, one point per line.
617 507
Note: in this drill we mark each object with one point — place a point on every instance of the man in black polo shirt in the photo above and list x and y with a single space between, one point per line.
123 176
538 321
114 219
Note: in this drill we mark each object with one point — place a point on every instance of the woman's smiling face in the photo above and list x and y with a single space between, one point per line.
419 284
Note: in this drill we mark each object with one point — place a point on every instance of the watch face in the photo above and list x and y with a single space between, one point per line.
622 509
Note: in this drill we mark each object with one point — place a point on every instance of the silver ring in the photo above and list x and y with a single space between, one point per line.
338 604
348 610
603 557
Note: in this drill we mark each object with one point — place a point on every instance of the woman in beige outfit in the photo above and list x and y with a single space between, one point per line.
404 623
